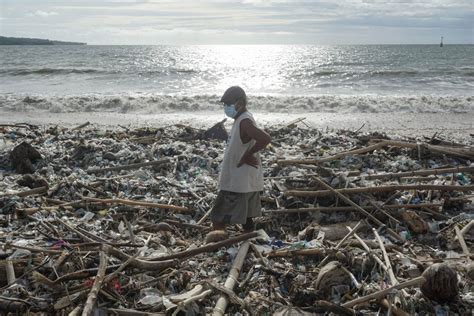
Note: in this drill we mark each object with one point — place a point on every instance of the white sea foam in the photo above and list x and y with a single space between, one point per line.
293 104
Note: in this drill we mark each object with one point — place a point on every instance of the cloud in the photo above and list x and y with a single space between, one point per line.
240 21
43 14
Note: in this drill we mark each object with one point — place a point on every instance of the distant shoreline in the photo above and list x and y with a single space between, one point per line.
33 41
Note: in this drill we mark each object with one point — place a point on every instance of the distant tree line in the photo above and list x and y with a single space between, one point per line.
33 41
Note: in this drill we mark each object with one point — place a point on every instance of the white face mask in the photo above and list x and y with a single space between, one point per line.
230 110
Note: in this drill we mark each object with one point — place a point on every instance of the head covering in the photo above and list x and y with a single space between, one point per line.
233 94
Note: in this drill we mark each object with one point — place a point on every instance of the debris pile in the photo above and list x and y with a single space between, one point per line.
98 221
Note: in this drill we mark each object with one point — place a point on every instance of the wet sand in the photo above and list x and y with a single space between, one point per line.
456 125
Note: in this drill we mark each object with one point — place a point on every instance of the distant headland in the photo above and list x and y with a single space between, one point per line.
33 41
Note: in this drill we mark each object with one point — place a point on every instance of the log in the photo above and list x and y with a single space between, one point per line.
92 297
138 203
349 208
382 188
234 273
130 166
208 247
382 293
360 209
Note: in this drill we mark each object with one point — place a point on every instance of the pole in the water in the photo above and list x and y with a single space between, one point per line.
441 44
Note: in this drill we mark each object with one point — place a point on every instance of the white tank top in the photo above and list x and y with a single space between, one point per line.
245 178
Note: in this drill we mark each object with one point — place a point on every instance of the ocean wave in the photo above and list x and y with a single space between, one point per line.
47 71
278 104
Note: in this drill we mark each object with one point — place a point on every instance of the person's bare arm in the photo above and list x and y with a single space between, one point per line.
262 139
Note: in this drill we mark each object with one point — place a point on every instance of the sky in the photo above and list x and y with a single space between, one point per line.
155 22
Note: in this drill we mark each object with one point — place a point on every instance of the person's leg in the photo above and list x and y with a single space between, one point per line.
249 225
218 226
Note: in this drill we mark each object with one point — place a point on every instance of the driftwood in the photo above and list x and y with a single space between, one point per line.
81 126
382 188
360 209
92 297
138 203
382 293
130 166
141 264
298 252
222 302
337 309
436 149
208 248
350 208
425 172
39 190
461 240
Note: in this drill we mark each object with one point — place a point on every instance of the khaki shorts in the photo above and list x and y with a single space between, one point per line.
235 208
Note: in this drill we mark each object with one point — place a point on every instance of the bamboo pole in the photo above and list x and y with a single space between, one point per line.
130 166
138 203
222 302
360 209
384 188
349 208
382 293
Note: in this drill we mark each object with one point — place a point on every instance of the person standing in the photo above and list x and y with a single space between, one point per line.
241 176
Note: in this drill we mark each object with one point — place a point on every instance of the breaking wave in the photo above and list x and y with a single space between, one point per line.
280 104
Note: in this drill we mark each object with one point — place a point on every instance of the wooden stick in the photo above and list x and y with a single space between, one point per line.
394 309
339 244
189 300
209 247
222 302
81 126
39 190
382 188
204 217
388 264
131 312
138 203
455 151
333 308
382 293
92 297
461 240
297 252
425 172
141 264
330 158
130 166
11 278
349 208
360 209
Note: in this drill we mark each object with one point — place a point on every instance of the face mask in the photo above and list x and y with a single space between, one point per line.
230 110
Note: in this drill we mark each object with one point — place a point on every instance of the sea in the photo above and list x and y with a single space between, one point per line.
277 78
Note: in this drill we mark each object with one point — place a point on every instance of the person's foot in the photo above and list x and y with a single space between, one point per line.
215 236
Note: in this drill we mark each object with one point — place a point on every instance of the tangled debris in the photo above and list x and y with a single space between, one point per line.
114 222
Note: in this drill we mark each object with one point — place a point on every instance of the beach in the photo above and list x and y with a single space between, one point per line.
456 125
110 158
